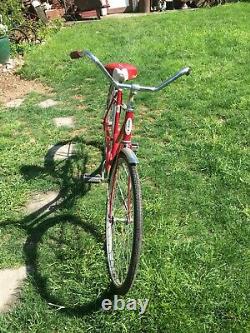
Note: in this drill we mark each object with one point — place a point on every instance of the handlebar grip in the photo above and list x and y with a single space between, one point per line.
76 55
188 70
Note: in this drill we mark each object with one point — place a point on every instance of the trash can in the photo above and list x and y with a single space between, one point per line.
144 6
4 49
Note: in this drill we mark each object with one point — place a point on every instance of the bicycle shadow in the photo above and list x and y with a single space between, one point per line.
67 173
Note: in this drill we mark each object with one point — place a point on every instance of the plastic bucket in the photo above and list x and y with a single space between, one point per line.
4 49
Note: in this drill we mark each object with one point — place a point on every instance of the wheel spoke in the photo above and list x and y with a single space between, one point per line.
122 197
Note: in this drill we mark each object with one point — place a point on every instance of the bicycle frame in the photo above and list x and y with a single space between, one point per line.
124 215
117 136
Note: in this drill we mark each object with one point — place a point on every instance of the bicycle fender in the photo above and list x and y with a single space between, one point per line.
132 159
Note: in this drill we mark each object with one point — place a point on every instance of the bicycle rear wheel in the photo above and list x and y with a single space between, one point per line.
30 32
123 224
18 36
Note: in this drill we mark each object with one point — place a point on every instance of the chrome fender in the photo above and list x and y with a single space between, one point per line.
132 159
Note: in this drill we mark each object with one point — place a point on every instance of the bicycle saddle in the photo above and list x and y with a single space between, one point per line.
121 71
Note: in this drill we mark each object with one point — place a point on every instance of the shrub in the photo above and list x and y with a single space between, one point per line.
11 10
209 3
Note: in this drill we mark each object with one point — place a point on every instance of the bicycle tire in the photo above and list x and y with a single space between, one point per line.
30 32
131 222
18 36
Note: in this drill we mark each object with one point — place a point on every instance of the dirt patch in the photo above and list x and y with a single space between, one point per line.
13 87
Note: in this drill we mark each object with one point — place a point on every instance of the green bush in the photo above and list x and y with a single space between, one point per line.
11 10
209 3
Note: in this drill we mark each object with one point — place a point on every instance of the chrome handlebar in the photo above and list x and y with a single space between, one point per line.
133 87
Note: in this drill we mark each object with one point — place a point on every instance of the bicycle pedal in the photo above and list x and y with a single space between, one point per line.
89 178
135 146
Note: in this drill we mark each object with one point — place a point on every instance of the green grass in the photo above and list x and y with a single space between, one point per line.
194 168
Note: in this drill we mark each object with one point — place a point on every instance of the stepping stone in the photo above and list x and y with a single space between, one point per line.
47 103
64 122
43 201
61 152
15 103
10 284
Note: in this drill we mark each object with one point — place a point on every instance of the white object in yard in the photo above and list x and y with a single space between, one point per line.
118 3
36 3
10 64
15 103
104 11
3 28
47 103
46 6
61 152
10 283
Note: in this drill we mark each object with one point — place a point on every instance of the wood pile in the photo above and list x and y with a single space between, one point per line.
56 4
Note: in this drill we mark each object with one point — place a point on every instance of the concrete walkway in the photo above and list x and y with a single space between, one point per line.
10 284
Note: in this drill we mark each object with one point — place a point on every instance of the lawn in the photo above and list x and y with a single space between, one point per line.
194 169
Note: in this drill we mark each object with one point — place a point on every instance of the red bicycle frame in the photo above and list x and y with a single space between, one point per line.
117 136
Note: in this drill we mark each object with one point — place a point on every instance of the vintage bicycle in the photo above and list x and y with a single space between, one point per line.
124 201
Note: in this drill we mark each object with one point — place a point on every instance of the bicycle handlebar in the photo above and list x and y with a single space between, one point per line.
135 87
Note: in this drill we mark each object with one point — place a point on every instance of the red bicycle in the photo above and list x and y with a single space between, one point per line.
119 169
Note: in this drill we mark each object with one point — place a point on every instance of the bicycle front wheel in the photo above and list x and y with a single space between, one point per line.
123 224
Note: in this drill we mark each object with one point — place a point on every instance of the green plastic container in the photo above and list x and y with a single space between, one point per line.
4 49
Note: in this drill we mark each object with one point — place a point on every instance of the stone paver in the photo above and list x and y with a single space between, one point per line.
15 103
44 200
61 152
10 283
47 103
64 122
